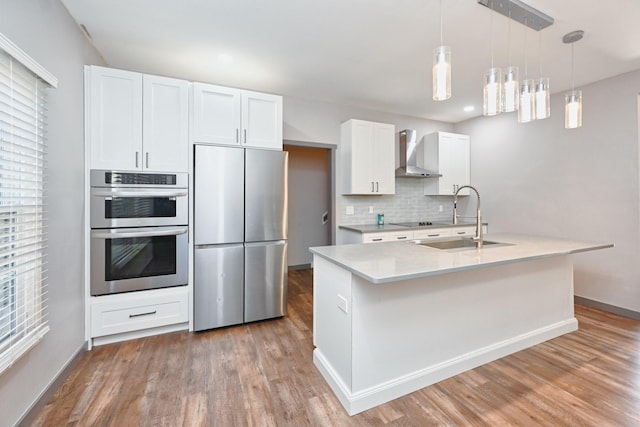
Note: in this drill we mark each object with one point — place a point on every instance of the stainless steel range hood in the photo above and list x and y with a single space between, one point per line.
410 151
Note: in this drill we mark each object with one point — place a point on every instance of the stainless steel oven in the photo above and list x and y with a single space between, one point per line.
133 199
139 232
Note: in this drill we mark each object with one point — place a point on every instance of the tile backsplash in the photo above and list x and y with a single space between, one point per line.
408 204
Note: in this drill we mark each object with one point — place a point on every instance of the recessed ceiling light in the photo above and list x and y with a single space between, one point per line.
469 108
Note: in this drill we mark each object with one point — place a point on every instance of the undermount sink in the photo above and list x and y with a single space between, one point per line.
457 243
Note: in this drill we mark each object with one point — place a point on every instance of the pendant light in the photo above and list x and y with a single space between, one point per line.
492 91
526 111
441 68
573 99
543 95
511 83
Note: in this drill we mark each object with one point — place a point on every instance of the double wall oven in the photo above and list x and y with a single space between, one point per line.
139 236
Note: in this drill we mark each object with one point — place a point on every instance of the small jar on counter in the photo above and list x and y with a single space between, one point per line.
380 219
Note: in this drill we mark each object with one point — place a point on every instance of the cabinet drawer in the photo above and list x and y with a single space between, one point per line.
467 231
433 233
115 314
387 237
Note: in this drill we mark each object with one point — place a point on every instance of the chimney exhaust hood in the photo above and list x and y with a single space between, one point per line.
410 151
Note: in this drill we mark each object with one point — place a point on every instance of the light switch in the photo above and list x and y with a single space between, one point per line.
342 304
350 210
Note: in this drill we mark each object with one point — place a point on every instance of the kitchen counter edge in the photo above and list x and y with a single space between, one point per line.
397 261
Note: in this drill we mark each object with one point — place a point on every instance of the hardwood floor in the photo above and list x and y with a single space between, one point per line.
262 374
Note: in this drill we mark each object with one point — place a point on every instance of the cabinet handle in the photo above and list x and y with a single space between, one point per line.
136 159
143 314
147 159
237 136
245 136
401 237
379 239
462 232
377 187
372 187
433 235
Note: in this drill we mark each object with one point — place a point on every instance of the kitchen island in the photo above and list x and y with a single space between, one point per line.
391 318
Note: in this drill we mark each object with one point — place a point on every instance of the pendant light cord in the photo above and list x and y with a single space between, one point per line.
441 38
540 52
526 59
509 36
491 31
573 68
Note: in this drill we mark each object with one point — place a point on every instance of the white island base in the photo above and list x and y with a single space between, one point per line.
378 341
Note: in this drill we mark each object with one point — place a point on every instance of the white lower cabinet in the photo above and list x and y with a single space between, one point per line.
423 234
387 237
139 311
432 233
467 231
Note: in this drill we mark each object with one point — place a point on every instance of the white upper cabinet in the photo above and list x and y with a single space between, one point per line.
165 124
137 121
449 155
216 114
114 118
229 116
368 157
262 120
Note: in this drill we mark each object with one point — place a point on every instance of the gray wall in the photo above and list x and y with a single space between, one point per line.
45 31
581 183
309 199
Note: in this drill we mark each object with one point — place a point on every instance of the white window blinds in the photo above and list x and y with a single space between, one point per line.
22 233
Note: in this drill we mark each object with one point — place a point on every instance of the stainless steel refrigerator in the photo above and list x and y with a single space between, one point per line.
240 235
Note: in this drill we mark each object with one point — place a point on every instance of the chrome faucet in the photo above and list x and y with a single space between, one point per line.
478 237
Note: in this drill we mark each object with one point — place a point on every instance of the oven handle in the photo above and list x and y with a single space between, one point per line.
139 193
130 234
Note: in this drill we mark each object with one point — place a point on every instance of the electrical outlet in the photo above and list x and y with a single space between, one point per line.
350 210
440 209
370 209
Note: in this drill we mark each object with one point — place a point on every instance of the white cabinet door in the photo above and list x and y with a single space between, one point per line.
359 158
449 155
114 118
261 120
228 116
165 124
216 114
368 157
383 161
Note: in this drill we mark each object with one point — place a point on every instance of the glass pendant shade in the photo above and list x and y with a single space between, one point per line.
492 104
442 73
510 90
526 112
573 109
543 99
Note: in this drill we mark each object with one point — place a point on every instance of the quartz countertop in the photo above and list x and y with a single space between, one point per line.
394 261
374 228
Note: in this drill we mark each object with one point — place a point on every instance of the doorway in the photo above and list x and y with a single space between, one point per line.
310 201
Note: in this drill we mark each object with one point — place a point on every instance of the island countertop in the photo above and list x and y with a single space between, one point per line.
396 261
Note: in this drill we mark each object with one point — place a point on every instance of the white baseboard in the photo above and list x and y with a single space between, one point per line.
366 399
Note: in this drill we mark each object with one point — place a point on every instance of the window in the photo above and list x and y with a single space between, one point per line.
22 232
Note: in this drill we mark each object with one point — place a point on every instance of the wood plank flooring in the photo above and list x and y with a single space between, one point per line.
262 374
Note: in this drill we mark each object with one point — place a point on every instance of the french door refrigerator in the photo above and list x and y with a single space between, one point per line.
240 235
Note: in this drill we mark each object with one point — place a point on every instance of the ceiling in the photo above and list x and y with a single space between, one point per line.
374 54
